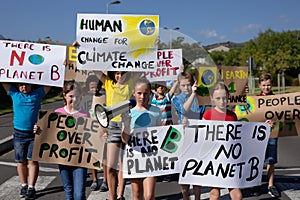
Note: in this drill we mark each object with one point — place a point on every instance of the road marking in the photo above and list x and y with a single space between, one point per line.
6 139
10 189
42 169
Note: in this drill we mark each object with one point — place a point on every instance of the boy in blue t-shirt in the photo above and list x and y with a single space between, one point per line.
26 105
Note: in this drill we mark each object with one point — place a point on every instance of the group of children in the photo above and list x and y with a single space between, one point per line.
152 109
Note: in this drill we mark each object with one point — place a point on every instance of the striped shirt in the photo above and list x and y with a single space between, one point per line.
164 103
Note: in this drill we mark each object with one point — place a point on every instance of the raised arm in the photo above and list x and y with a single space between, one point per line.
173 88
47 89
187 105
101 76
6 86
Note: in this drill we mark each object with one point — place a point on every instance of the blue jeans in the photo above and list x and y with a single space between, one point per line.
271 151
74 181
23 145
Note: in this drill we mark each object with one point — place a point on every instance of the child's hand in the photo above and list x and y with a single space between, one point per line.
36 129
270 122
105 135
195 87
75 44
184 121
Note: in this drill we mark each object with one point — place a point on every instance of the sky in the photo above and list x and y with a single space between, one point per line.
205 21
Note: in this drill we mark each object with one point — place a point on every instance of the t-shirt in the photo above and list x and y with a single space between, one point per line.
164 103
79 113
195 111
213 114
117 93
26 107
145 118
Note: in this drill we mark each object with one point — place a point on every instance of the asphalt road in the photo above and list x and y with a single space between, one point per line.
49 185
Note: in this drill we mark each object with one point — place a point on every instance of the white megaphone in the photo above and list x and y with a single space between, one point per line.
104 114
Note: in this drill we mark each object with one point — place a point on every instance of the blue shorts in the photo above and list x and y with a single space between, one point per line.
271 151
114 132
23 145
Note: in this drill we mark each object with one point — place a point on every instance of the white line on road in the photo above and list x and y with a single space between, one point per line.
43 169
10 189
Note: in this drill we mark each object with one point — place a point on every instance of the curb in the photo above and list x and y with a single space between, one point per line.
6 145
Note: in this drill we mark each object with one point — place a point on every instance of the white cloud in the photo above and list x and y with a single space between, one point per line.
250 27
209 33
284 19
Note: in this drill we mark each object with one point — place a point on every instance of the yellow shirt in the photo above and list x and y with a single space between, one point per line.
117 93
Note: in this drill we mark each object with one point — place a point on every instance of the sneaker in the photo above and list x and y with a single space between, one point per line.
23 191
121 198
94 186
273 191
30 195
103 187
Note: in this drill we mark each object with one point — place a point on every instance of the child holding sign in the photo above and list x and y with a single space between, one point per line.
187 107
26 104
219 96
73 178
142 115
265 84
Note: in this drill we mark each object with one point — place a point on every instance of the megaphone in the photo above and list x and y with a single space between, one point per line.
105 114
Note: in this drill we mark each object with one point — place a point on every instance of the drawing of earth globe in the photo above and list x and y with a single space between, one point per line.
147 27
208 77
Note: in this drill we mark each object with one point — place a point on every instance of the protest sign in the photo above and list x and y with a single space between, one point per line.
235 78
34 63
282 109
68 140
88 102
71 67
169 62
153 151
223 154
117 42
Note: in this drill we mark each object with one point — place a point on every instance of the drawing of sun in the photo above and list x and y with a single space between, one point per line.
141 32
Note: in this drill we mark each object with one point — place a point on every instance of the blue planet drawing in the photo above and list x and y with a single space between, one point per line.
36 59
208 77
147 27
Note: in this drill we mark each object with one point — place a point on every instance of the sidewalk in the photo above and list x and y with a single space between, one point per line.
6 127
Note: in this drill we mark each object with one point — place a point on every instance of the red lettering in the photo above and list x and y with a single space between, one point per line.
54 71
19 58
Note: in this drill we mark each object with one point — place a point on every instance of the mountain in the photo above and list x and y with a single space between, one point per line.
230 45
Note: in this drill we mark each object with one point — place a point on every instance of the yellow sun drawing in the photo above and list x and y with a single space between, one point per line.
140 43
